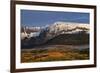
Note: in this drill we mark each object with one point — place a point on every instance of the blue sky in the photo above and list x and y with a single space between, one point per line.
41 18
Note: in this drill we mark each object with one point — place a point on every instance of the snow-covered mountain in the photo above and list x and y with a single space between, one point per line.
58 28
28 32
68 27
71 33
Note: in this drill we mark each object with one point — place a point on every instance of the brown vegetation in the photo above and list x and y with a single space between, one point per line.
54 54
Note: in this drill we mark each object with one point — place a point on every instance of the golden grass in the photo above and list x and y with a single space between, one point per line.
53 55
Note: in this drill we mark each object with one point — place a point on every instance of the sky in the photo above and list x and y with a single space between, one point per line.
42 18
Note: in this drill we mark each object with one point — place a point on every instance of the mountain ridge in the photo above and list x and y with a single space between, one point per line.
72 33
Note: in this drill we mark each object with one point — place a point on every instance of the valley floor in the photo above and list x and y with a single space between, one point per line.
55 53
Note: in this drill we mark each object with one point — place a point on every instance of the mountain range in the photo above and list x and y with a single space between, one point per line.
56 33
